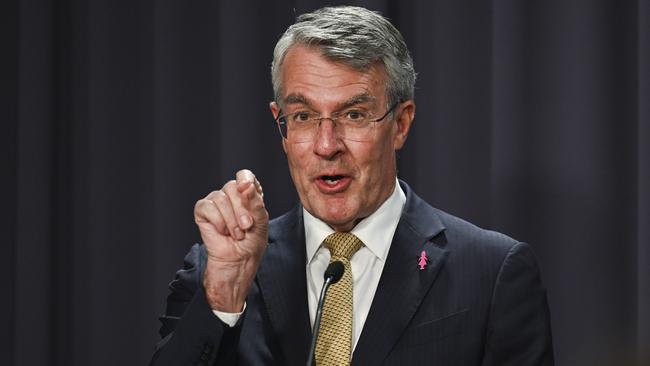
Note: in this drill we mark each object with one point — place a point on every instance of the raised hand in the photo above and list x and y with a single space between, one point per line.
234 227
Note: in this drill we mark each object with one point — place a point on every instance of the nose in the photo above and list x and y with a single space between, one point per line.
328 144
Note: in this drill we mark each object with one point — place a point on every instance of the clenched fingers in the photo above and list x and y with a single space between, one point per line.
207 212
228 202
235 208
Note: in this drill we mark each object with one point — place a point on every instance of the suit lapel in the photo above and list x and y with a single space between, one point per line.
284 287
402 285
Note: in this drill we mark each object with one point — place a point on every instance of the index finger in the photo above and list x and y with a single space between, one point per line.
244 179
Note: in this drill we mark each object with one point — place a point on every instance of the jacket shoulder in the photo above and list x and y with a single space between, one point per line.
464 233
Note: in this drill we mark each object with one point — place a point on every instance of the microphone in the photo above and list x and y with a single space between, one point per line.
332 275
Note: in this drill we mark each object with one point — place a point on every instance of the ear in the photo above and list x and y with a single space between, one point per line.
275 111
405 116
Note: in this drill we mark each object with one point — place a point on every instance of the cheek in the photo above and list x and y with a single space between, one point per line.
298 162
380 161
383 148
370 163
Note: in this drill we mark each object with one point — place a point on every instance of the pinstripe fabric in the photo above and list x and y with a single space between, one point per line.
334 345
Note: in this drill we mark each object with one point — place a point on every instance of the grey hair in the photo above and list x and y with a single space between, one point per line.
356 37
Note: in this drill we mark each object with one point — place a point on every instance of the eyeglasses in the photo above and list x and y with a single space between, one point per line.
353 124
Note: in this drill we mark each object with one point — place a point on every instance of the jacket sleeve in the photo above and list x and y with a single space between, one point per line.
191 333
519 331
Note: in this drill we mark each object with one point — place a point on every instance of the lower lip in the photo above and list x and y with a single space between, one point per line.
340 186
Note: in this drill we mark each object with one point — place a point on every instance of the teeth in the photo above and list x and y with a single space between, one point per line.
331 180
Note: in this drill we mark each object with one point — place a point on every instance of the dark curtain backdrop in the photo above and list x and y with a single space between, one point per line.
533 119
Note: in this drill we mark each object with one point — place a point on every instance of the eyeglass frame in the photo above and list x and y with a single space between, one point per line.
333 119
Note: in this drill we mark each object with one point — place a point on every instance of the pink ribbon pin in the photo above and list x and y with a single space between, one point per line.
422 262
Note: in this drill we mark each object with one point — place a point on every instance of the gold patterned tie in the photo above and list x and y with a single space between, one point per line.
334 344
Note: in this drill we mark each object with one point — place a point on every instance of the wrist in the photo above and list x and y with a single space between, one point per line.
226 284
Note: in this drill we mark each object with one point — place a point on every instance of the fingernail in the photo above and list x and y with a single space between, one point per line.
239 235
245 221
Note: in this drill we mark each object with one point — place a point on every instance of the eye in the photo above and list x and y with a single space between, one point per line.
355 115
302 116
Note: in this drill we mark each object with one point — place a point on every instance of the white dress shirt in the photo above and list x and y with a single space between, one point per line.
376 232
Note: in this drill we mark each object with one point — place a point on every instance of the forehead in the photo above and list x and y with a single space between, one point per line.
308 77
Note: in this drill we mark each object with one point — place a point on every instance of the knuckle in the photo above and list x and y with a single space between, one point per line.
211 194
220 197
202 205
229 184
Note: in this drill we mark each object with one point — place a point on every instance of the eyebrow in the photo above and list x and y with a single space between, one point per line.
296 99
358 99
354 100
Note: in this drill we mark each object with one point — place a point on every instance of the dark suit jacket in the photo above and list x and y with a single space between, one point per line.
479 301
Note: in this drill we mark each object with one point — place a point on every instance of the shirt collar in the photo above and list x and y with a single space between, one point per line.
375 231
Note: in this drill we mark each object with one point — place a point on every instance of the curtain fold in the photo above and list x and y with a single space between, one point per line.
643 187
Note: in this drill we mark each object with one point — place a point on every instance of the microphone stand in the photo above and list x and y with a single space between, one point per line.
333 274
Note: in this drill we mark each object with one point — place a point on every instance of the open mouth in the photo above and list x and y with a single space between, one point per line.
331 179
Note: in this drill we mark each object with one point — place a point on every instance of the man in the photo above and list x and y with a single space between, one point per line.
419 286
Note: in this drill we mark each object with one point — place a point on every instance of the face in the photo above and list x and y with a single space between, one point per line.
338 180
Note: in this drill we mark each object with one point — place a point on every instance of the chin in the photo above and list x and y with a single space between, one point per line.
335 218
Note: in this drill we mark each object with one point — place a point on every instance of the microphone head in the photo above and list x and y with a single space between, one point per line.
334 271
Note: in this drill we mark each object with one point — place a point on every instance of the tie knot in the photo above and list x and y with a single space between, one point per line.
343 245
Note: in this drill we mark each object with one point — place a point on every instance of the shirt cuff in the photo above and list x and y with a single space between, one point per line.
229 318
